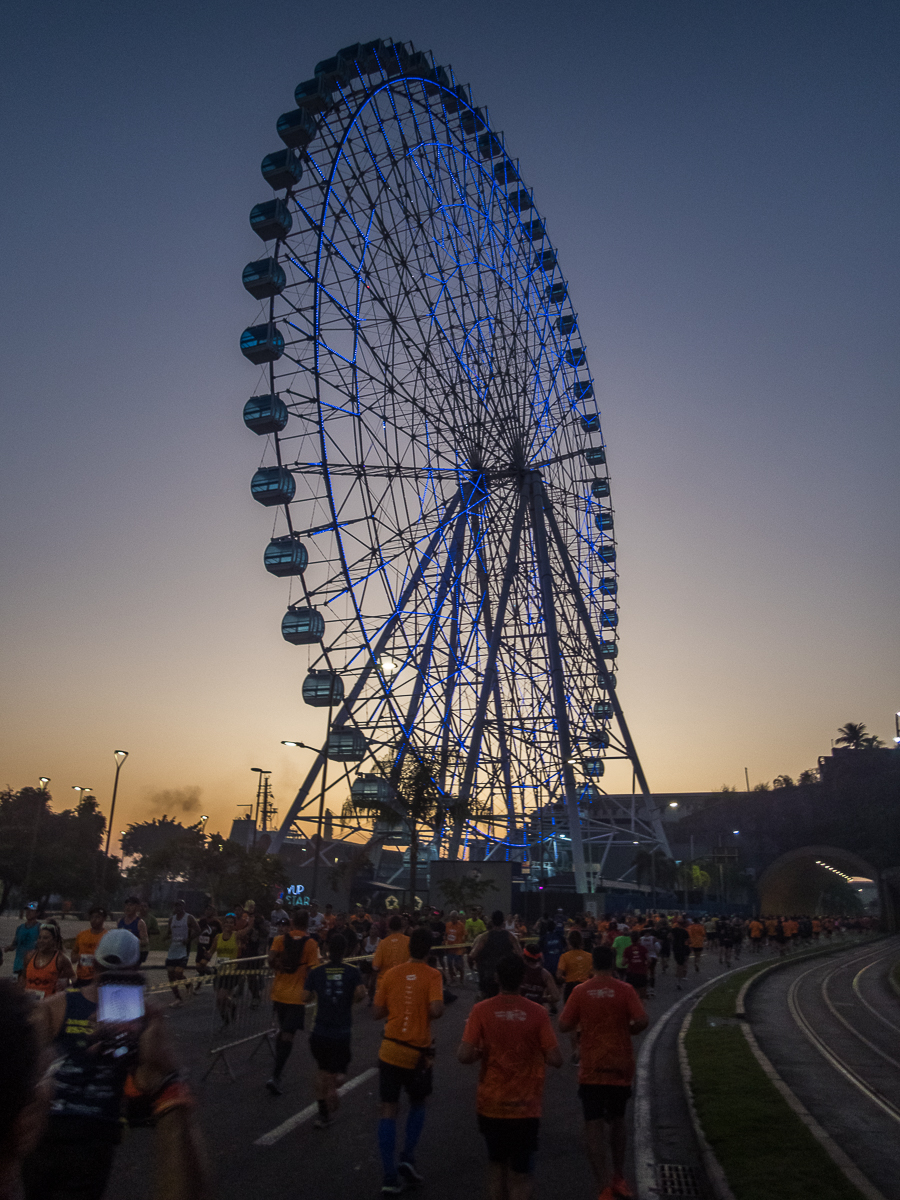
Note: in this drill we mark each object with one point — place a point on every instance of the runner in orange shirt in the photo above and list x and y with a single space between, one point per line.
46 965
756 934
608 1014
574 967
696 938
514 1041
291 955
84 948
410 996
393 949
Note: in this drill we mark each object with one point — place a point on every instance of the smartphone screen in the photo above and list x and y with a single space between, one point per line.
119 1003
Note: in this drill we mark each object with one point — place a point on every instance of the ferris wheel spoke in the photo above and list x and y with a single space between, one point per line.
489 668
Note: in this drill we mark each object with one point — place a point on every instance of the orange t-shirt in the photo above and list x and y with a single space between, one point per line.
391 951
575 966
406 992
602 1008
42 979
513 1034
756 929
696 936
790 928
771 928
289 988
83 952
455 934
817 926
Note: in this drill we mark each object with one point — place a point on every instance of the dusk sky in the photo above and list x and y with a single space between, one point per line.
721 181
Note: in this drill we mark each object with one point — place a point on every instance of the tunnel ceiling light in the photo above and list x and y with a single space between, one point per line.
834 870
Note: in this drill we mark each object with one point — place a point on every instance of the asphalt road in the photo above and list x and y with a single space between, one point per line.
342 1163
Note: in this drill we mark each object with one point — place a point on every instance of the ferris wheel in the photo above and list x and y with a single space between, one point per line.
435 465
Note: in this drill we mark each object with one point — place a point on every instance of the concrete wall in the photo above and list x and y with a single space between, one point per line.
497 873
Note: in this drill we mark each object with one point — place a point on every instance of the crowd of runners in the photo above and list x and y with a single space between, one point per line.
593 974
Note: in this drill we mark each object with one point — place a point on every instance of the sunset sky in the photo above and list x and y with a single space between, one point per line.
721 181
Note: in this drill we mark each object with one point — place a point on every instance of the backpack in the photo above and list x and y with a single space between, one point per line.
290 956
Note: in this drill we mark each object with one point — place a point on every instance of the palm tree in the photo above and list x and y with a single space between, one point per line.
853 736
418 801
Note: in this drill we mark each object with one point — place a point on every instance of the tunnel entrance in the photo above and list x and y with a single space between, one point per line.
811 880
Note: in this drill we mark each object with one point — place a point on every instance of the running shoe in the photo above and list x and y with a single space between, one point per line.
274 1086
393 1187
408 1171
607 1194
620 1187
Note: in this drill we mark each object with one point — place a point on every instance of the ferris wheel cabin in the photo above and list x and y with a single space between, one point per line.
285 556
302 626
273 485
282 169
322 689
265 414
346 745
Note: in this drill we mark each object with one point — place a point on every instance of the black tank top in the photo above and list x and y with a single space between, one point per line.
497 944
533 984
88 1085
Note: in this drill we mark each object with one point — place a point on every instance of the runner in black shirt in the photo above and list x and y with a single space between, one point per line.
337 987
210 925
680 951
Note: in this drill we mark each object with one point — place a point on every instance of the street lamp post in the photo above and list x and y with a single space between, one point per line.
119 756
388 667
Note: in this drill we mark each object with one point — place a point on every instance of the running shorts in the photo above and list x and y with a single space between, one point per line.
603 1101
332 1055
289 1016
392 1080
511 1140
179 963
636 981
568 989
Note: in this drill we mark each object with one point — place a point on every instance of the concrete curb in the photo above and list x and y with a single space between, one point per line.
714 1171
644 1157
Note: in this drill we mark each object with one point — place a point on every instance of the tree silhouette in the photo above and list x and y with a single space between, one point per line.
417 800
854 736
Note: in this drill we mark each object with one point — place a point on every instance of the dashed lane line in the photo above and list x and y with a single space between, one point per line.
280 1131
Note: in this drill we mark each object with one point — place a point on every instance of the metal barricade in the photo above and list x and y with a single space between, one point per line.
242 1009
242 1012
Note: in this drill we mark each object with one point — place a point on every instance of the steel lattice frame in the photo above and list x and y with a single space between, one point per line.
438 453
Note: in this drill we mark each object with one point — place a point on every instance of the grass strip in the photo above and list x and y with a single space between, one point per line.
764 1148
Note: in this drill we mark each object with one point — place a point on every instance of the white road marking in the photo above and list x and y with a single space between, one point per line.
276 1134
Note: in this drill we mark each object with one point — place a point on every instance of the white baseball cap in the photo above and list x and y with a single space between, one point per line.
118 948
